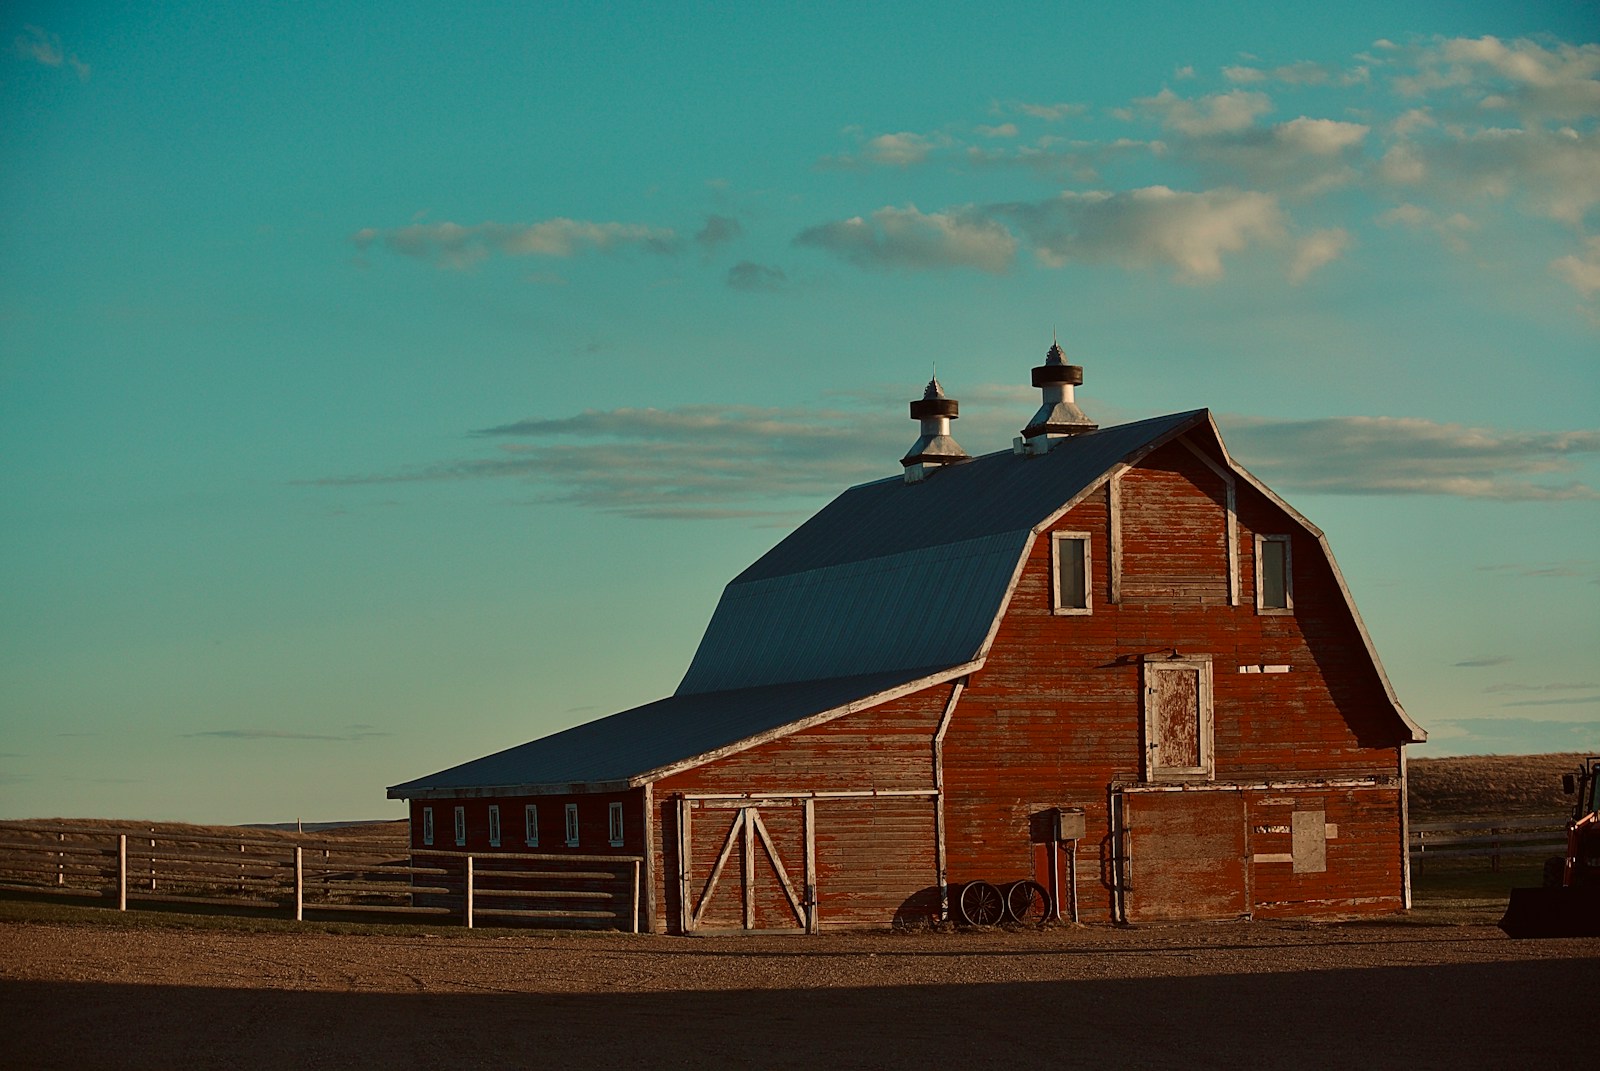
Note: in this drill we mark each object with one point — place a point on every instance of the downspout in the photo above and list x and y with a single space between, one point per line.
938 799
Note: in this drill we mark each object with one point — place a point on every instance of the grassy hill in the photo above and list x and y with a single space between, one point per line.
1489 786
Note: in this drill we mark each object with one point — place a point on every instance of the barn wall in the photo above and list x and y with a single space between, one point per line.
1055 715
875 857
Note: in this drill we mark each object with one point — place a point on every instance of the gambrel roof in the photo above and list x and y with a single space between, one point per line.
891 588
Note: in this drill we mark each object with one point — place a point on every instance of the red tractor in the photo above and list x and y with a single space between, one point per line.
1568 905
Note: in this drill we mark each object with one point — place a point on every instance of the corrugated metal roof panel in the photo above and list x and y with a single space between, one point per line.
659 734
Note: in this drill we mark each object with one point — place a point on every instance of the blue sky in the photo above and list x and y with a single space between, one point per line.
381 386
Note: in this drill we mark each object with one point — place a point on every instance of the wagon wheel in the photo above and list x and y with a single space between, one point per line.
981 904
1028 903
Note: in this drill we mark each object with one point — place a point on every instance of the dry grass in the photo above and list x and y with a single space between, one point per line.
1489 786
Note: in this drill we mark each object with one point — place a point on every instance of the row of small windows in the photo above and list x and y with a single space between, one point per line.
530 825
1071 568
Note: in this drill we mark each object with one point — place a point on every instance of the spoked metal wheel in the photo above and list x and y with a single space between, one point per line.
980 904
1028 903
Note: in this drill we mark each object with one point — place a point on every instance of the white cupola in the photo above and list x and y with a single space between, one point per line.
934 448
1059 415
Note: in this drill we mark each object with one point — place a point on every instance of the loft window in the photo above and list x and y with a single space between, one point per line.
1069 568
427 825
572 825
494 825
461 826
530 825
1274 575
615 825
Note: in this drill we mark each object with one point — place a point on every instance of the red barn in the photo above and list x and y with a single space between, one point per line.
1109 660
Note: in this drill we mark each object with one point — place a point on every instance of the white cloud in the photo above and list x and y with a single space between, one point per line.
1219 113
44 48
1151 226
908 238
452 245
1581 271
1552 174
1387 455
1003 130
748 275
1315 250
1320 137
902 149
1051 113
1537 82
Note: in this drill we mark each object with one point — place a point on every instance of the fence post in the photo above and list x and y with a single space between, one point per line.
122 872
299 885
61 860
152 859
636 896
468 905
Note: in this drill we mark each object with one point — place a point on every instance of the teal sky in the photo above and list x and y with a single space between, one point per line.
384 385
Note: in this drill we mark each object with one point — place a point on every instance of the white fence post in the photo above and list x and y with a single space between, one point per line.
299 885
122 872
636 896
468 906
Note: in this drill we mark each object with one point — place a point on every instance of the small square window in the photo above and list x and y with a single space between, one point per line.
461 826
494 825
1069 567
615 825
530 825
572 825
427 825
1274 575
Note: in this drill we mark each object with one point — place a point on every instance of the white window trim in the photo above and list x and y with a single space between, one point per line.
1288 575
572 825
614 824
427 826
461 827
1207 770
494 825
1056 539
530 825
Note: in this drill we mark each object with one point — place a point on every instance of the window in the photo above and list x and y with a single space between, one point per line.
494 825
427 825
1178 720
530 825
461 826
1069 568
572 825
1274 576
615 825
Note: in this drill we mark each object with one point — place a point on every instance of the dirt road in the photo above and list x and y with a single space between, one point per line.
1230 995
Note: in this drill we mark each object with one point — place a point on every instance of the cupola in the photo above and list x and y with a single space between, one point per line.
934 448
1058 416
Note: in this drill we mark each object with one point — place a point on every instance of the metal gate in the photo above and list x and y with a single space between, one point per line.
747 865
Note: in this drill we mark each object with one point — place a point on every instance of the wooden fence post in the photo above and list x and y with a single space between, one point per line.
636 896
468 905
122 872
299 885
61 860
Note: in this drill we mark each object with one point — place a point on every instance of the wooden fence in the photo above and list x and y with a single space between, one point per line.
323 876
1490 839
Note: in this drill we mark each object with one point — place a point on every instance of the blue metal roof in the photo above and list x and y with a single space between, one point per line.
614 749
890 583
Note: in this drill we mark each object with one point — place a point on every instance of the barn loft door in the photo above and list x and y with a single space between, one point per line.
747 866
1177 720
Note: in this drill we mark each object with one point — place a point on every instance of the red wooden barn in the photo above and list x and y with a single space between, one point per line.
1107 659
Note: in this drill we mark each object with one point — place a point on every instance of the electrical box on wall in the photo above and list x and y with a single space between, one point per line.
1057 824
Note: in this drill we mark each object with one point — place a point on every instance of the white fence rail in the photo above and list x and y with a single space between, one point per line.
1491 839
322 876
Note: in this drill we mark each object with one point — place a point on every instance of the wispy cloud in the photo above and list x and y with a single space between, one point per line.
280 734
1501 689
748 275
452 245
1483 662
911 239
718 230
901 149
1219 113
1535 80
44 48
1388 455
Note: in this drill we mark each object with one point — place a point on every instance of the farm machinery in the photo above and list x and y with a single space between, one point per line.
1568 903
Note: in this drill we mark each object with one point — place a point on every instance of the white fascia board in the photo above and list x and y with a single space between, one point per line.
565 788
864 703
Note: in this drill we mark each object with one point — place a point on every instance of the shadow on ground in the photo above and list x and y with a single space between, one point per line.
1474 1015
